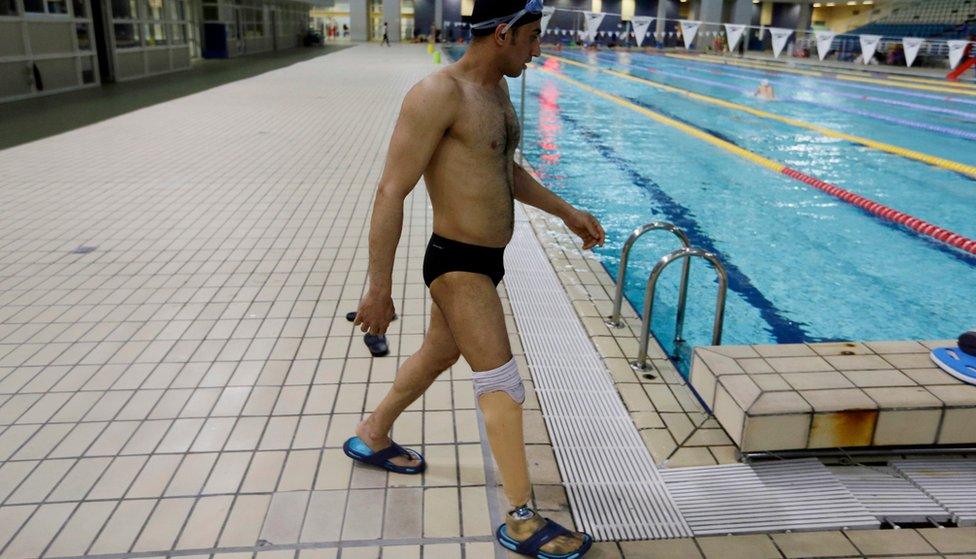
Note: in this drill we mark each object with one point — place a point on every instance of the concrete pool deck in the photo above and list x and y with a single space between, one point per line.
183 389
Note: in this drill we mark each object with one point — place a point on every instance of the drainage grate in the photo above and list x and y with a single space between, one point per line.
767 497
888 495
615 490
950 482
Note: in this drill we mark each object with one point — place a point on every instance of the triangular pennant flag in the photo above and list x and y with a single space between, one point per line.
640 24
780 35
734 33
546 16
869 44
824 40
956 50
593 21
689 29
911 44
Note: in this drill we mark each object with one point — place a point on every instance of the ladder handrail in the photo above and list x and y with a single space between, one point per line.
614 320
681 254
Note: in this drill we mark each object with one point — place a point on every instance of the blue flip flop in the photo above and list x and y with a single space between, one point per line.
956 362
356 449
377 345
531 547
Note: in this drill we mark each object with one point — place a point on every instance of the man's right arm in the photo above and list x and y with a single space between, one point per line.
427 112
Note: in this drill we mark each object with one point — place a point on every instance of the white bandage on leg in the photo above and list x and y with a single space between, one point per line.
503 379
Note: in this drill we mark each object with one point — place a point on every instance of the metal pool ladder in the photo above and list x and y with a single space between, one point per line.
686 253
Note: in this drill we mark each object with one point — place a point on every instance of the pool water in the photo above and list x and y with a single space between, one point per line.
803 266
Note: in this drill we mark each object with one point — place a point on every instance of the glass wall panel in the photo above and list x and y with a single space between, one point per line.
84 38
126 35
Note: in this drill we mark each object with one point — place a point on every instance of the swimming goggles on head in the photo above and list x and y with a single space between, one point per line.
531 7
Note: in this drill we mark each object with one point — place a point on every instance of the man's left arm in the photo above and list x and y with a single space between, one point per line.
529 191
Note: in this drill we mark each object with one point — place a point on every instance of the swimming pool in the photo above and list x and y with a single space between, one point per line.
803 266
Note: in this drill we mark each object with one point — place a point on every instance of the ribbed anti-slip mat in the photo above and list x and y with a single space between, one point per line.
888 495
765 497
951 482
614 488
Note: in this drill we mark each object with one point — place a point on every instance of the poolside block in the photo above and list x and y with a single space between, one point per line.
839 394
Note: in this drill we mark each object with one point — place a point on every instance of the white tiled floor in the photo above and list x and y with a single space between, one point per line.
187 384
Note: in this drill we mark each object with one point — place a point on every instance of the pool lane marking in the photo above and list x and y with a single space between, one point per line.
880 210
831 75
968 115
770 73
940 162
714 83
831 72
934 81
784 329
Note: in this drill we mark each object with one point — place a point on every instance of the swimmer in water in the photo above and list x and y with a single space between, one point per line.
765 91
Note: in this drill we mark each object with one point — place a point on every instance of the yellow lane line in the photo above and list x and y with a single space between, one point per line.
946 88
934 81
719 60
954 85
938 88
888 148
691 130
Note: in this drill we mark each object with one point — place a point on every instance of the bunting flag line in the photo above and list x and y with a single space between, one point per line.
956 50
824 40
869 45
593 21
547 12
780 36
689 29
639 25
734 33
911 45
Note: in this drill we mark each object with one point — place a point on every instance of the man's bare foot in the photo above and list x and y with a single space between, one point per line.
377 443
521 530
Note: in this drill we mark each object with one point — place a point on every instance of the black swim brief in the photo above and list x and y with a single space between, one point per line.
444 255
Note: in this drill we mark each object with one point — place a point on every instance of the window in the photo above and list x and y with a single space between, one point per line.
84 39
126 35
155 10
155 36
177 34
57 6
87 70
176 10
8 8
124 9
211 13
80 8
34 6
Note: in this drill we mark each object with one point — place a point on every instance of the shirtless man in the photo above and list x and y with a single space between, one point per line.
457 128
